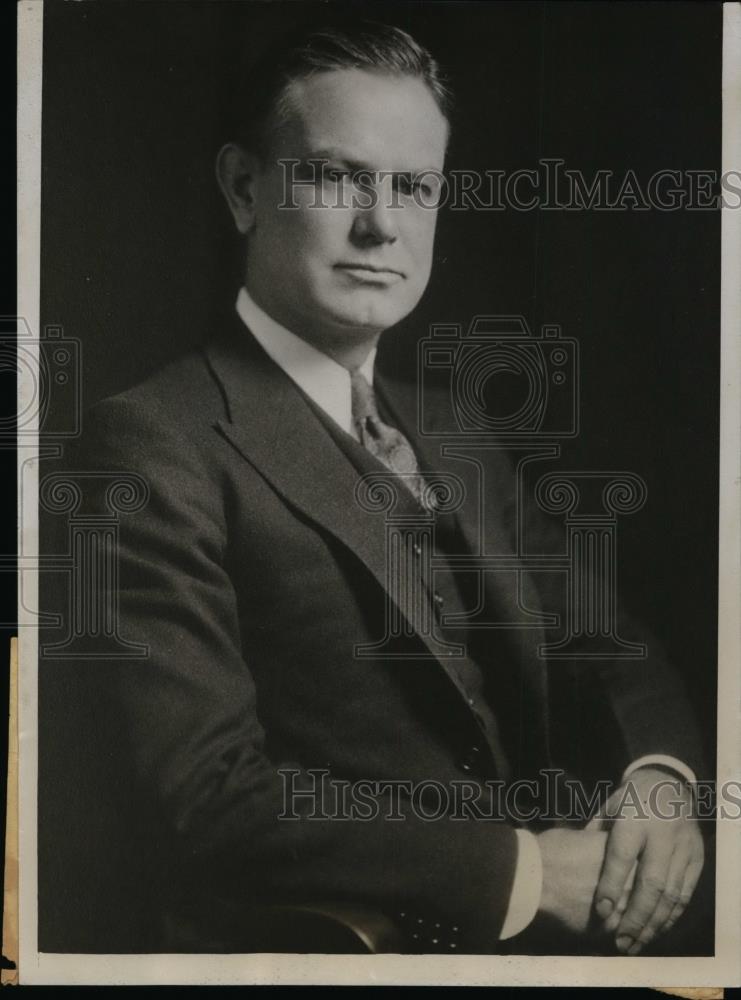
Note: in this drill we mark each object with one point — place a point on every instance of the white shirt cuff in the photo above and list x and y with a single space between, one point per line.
527 886
661 760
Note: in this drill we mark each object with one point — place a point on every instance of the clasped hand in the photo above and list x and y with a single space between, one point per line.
635 866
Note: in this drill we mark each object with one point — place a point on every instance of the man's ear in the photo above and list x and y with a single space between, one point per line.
236 172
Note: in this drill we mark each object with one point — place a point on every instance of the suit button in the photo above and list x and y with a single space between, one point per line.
438 606
470 760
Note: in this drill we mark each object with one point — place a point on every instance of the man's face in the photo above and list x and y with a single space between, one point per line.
356 264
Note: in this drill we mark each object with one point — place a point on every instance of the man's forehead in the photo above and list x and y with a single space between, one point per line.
376 120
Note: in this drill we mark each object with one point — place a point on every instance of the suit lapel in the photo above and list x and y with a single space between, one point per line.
274 427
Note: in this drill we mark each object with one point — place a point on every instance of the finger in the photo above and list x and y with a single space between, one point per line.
683 879
653 869
606 812
670 898
614 919
691 878
623 846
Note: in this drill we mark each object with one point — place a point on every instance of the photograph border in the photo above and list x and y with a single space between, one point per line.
723 969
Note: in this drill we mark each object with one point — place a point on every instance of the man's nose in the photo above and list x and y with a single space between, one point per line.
377 223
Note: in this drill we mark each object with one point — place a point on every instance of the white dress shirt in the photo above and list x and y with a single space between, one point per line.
323 380
327 384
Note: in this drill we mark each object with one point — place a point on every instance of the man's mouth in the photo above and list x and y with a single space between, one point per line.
370 273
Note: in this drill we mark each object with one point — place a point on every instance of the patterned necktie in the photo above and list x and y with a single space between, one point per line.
387 444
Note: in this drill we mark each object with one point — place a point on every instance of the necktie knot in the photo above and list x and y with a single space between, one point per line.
387 443
363 400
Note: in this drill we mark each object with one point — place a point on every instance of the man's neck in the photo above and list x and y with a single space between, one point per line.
349 347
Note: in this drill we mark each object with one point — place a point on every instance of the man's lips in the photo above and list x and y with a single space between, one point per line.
368 271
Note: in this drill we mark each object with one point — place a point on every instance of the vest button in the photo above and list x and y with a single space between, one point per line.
470 761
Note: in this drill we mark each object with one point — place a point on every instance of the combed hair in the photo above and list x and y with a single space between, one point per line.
356 44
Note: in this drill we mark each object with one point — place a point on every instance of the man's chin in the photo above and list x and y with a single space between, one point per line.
371 317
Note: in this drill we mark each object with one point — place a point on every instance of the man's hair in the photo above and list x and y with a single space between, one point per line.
355 44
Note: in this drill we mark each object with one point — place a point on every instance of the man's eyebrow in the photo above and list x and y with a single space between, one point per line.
336 156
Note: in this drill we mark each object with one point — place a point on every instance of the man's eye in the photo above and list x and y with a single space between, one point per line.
335 175
409 185
404 183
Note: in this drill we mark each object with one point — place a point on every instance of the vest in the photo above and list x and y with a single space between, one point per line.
448 596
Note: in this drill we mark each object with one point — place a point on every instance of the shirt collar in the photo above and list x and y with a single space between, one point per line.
323 380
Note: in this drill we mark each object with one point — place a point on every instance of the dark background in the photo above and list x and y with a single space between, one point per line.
138 252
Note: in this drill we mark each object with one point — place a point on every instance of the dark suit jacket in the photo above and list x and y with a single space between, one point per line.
251 574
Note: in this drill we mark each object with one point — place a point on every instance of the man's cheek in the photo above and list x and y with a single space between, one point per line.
422 267
320 246
422 240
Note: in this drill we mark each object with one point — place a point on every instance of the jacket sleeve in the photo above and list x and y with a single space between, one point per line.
643 700
189 726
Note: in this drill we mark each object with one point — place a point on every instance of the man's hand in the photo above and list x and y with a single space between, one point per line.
572 861
653 859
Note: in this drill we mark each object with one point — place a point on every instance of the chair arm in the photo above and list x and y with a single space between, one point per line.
335 928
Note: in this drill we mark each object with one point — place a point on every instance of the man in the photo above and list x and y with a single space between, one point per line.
254 575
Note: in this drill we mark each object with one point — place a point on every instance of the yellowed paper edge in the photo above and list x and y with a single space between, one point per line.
10 891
